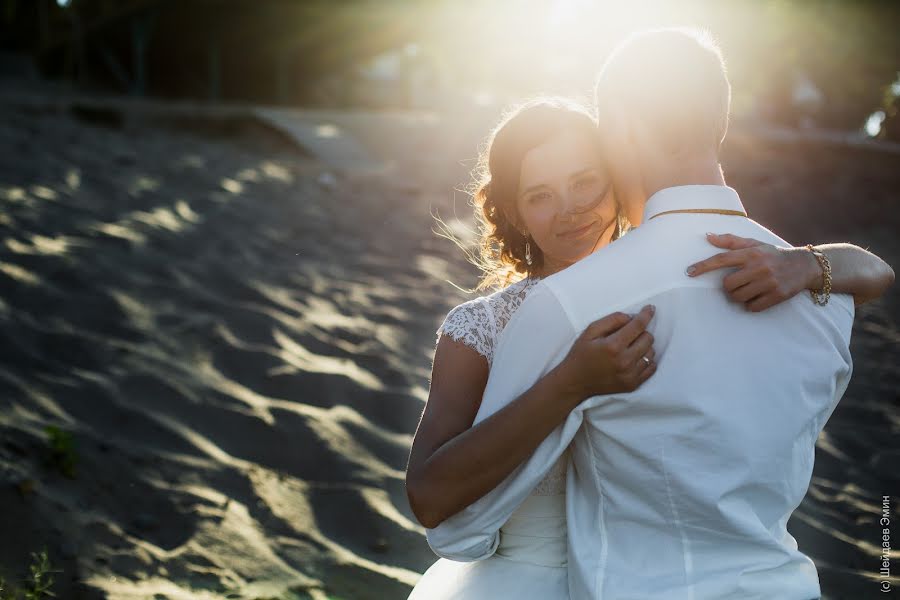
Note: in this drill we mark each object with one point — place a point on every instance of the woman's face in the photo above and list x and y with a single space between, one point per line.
565 199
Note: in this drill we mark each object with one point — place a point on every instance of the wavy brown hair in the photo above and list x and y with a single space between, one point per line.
501 246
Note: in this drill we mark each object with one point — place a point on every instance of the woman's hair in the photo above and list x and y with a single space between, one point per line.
501 246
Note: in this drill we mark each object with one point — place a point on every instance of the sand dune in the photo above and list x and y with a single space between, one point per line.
240 346
216 329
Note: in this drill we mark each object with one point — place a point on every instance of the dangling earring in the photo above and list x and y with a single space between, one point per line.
527 252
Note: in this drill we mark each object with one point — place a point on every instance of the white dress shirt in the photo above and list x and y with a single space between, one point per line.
683 488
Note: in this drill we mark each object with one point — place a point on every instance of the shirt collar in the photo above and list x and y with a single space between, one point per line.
692 196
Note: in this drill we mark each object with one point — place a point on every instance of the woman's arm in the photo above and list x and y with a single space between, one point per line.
854 270
452 464
768 275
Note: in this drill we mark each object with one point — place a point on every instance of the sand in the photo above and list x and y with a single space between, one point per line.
239 335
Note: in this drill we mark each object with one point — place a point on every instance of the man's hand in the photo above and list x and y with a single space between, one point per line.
766 275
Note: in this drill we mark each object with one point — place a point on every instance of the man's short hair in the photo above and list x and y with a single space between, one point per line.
674 80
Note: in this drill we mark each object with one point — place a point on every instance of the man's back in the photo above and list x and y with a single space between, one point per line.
683 488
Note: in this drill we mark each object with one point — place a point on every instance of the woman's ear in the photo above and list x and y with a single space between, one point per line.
512 216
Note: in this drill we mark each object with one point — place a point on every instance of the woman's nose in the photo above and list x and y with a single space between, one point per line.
576 204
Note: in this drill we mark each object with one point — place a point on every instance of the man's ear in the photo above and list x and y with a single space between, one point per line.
626 165
622 150
612 121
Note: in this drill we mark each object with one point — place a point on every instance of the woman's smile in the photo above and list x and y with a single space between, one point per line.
577 233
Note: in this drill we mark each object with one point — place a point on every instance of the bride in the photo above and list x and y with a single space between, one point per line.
545 202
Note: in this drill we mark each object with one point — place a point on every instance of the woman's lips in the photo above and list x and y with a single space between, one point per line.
577 232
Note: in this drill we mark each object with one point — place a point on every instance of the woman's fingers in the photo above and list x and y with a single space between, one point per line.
750 291
731 241
623 338
741 252
732 258
640 347
606 325
615 362
764 302
639 373
636 370
741 277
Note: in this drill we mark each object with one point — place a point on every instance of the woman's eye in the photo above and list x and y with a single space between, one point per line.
538 197
584 182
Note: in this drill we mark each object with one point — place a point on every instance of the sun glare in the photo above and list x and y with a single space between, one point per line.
565 12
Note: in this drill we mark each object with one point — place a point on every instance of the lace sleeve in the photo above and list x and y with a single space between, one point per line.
470 323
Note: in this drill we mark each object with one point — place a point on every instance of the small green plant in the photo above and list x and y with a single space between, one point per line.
37 587
62 450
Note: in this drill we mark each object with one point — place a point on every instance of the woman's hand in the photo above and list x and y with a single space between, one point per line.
766 275
608 356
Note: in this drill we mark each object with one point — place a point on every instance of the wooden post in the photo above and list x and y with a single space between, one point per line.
43 24
79 41
282 77
215 67
115 67
141 29
138 50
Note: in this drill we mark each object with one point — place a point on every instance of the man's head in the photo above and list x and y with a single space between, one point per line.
663 96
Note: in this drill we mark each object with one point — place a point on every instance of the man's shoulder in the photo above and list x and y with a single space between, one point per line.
540 314
540 299
635 243
606 279
763 233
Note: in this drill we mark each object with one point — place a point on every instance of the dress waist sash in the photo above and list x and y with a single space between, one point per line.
536 532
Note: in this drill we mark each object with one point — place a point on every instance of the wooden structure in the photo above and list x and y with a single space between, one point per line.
254 50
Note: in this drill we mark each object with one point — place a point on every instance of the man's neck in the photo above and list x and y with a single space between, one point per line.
699 171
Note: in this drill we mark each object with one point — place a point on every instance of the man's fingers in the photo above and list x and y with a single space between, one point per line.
730 241
627 334
607 325
732 258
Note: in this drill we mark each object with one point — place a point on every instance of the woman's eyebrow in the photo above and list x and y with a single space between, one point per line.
574 175
533 188
582 172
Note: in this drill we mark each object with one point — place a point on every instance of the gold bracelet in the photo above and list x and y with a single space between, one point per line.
821 297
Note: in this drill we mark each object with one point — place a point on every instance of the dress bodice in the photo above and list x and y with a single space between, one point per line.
478 322
536 531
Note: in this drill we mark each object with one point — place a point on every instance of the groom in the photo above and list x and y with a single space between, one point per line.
683 488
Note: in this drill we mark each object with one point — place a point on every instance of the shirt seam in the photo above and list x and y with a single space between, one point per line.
685 544
601 569
561 304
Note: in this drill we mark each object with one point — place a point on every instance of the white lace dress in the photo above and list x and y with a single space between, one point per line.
530 561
